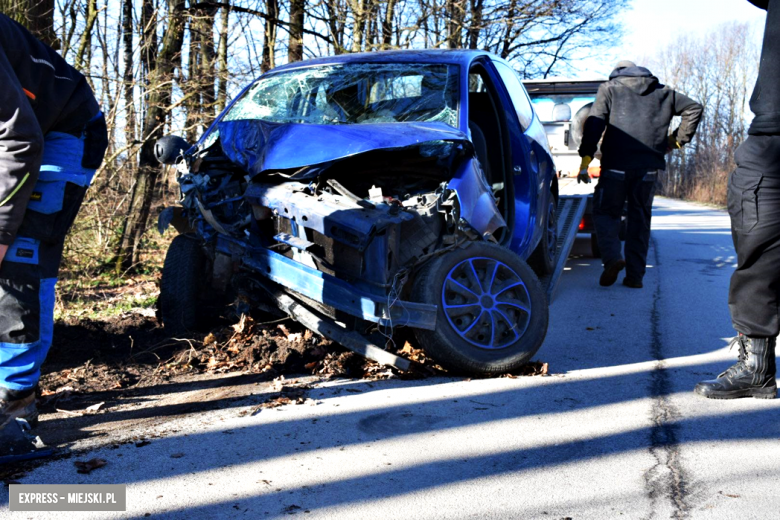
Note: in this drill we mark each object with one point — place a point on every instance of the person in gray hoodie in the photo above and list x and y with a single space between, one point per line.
633 111
52 138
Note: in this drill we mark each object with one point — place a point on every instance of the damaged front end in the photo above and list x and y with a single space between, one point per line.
345 234
332 213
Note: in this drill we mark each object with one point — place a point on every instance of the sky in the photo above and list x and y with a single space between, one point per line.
652 24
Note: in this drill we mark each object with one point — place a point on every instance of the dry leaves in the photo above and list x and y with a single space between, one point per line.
285 395
534 368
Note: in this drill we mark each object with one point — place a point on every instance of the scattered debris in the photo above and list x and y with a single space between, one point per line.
142 443
87 467
284 395
534 368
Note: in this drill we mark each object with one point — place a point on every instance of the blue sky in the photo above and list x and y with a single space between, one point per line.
652 24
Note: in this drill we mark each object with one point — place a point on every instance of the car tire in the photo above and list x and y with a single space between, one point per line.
594 246
182 285
515 304
542 260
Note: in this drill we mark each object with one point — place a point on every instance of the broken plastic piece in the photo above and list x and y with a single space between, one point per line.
375 195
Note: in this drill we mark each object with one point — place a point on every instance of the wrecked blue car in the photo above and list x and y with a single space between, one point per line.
369 194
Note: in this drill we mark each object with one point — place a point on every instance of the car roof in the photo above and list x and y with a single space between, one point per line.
446 56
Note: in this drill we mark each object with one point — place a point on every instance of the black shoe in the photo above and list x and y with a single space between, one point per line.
611 270
16 404
752 376
634 284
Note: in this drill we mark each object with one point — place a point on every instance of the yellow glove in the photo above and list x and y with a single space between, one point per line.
583 175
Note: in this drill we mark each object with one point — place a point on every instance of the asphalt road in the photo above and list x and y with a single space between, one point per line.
615 431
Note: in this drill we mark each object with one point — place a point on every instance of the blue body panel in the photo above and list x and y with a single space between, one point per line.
261 147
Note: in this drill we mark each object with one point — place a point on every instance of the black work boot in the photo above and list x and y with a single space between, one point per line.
17 404
632 282
752 376
611 270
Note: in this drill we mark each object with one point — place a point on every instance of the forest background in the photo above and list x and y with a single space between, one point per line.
170 66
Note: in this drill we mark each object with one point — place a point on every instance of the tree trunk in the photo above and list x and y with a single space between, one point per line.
335 25
387 25
158 105
207 66
359 11
269 41
295 48
128 80
222 60
191 86
455 15
86 37
475 24
36 15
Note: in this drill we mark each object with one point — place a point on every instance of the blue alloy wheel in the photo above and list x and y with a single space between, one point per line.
486 302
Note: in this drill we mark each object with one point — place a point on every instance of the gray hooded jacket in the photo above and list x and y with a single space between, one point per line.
636 110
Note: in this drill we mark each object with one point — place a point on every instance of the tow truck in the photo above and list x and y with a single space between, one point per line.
563 105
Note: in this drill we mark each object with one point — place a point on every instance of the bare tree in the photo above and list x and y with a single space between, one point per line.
159 86
718 70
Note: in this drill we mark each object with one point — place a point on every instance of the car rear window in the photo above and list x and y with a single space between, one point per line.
545 104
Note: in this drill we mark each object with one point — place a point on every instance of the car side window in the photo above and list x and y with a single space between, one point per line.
525 112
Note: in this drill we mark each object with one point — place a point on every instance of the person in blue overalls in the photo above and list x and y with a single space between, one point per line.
52 138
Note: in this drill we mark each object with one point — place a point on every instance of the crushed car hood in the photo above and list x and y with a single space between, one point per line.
258 146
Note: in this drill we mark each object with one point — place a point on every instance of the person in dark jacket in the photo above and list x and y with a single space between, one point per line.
754 208
52 138
633 112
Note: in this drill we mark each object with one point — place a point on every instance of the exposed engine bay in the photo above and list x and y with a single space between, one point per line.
363 219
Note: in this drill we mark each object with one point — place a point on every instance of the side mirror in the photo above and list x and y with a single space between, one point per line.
168 149
561 113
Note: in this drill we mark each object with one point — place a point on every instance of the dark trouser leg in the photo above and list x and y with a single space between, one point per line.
640 187
754 207
608 200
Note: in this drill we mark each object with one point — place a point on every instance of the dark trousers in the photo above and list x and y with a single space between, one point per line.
754 208
615 187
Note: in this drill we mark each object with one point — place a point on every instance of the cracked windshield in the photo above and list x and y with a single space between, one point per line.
355 93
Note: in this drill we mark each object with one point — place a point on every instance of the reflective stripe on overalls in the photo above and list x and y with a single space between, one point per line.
28 274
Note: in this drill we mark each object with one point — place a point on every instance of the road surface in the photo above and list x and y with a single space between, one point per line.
615 431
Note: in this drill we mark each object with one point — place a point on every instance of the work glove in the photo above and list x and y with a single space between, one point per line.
673 144
583 176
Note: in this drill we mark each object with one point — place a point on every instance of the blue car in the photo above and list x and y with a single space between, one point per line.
365 193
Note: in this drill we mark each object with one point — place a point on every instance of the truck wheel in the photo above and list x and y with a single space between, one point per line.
182 284
492 312
542 260
594 246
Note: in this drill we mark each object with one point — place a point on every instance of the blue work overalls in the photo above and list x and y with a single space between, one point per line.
28 273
